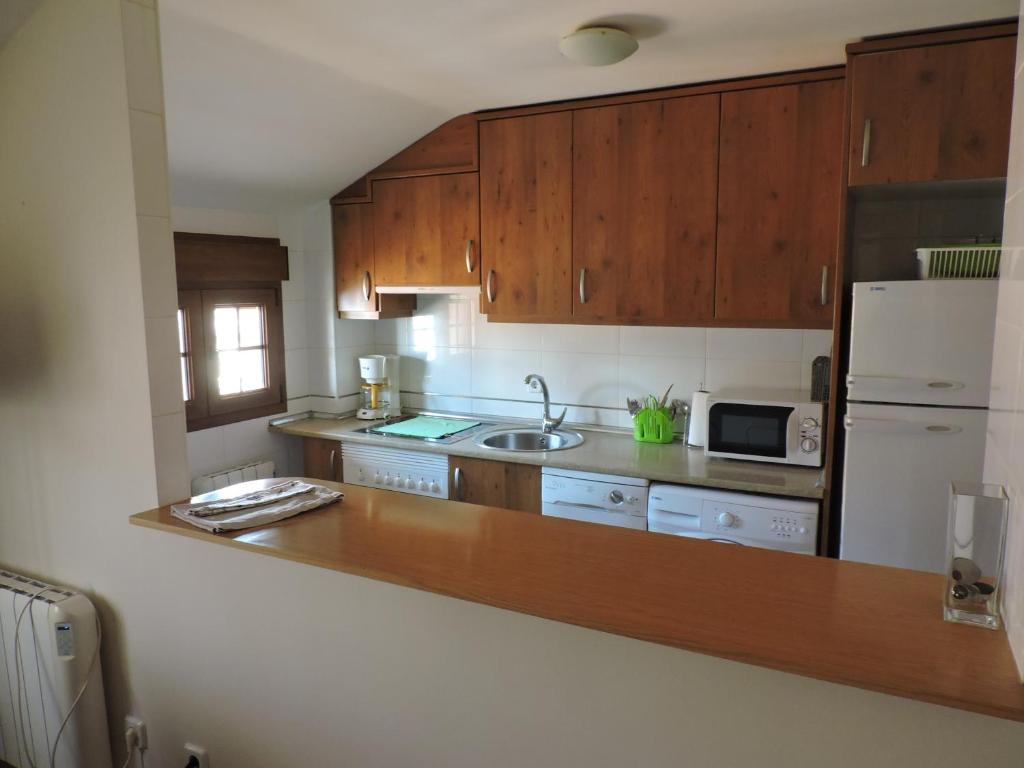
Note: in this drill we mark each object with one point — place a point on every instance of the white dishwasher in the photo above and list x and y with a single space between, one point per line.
735 518
594 498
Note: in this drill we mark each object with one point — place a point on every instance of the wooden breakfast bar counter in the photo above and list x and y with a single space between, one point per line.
860 625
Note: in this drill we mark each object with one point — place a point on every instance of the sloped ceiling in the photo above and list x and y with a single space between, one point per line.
272 104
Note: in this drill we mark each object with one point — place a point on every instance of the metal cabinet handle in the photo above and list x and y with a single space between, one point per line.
490 286
470 266
366 285
458 483
583 285
824 285
333 469
865 152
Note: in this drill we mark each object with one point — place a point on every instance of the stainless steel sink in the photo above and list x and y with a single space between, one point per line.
529 439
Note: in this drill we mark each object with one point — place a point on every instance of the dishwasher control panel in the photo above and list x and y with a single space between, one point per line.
594 498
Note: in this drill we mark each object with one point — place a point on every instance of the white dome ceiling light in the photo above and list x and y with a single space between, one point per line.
598 46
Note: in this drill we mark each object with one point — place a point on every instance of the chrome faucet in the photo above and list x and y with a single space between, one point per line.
547 424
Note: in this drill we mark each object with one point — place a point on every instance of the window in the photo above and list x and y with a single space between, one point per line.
230 328
232 354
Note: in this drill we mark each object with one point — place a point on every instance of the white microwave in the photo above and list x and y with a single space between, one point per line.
779 426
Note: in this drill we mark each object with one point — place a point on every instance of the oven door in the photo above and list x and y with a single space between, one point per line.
757 432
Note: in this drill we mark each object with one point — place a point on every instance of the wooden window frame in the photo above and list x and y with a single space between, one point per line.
222 269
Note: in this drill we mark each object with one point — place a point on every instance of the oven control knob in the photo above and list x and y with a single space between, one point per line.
377 478
810 423
725 519
410 483
387 479
616 497
434 487
423 486
808 445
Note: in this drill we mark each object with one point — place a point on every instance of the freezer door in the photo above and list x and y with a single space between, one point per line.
925 342
899 463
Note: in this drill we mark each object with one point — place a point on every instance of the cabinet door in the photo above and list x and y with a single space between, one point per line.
525 217
353 257
321 459
426 230
925 114
778 204
645 180
494 483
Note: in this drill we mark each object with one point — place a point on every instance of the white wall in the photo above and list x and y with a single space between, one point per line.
1004 455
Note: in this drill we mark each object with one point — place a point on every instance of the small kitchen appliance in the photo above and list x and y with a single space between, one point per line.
380 387
594 498
781 426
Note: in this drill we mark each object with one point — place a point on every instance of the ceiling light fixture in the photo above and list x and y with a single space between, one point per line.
598 46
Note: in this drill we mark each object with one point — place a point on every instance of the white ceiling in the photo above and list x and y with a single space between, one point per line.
273 104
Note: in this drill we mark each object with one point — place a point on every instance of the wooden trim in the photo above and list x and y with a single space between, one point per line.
850 623
206 260
940 36
195 425
195 325
836 72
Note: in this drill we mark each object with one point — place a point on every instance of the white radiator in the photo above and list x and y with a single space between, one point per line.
254 470
50 657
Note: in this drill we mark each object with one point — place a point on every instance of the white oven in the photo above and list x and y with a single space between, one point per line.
780 426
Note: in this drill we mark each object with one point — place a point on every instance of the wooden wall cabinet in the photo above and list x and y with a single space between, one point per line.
426 230
352 227
494 483
321 459
645 180
933 113
526 217
778 204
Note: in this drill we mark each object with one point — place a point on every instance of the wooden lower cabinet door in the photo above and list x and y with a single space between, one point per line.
321 459
526 217
778 205
645 184
494 483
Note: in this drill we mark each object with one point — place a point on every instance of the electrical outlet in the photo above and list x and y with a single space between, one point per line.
139 726
191 750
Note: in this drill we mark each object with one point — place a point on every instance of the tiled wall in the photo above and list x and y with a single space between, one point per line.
156 249
1004 456
887 232
454 359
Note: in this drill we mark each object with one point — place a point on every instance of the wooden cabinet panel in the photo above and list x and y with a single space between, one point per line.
494 483
645 180
353 257
778 204
426 230
525 217
321 459
352 226
940 112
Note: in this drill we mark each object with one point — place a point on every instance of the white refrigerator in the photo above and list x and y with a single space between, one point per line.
918 392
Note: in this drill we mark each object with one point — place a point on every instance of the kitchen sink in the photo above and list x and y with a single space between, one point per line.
528 439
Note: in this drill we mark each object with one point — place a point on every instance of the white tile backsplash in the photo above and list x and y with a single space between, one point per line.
754 344
294 317
156 257
149 164
296 371
164 365
593 368
142 58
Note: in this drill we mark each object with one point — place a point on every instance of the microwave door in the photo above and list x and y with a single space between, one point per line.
744 430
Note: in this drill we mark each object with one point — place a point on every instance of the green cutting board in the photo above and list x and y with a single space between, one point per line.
431 427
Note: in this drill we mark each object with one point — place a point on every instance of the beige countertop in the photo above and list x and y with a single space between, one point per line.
608 452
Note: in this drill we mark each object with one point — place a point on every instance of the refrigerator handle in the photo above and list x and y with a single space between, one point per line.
898 426
901 382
